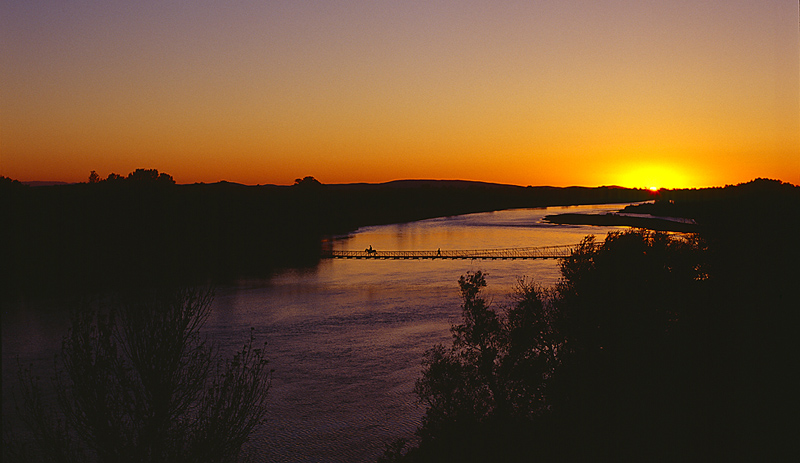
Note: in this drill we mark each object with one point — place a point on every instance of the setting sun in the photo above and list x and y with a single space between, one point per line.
655 176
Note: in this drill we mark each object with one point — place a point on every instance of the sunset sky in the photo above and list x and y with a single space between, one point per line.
636 93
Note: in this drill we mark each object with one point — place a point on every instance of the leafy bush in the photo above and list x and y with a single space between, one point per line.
137 382
608 358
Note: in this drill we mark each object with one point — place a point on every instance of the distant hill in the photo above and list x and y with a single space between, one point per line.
404 183
44 183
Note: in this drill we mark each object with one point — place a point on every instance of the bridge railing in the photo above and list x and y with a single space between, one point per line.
539 252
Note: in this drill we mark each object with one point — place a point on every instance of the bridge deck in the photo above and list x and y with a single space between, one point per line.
541 252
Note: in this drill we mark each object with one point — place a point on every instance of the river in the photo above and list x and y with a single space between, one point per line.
346 338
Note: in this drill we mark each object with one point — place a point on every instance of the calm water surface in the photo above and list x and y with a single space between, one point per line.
346 339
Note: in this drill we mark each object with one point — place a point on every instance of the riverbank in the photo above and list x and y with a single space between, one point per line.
629 220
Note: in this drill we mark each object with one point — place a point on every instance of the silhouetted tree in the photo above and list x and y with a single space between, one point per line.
137 383
487 388
458 384
627 308
531 348
307 181
93 177
149 176
6 183
607 360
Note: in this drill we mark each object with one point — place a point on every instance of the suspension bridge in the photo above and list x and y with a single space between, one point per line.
540 252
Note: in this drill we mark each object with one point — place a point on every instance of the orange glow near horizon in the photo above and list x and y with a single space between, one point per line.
654 176
674 95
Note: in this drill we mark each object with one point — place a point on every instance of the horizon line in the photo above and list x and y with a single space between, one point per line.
39 183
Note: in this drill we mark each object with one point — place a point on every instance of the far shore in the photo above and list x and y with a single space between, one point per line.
650 223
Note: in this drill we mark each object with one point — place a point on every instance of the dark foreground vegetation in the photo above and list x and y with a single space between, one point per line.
136 382
651 347
143 228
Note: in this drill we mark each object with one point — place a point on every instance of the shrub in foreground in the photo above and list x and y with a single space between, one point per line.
136 382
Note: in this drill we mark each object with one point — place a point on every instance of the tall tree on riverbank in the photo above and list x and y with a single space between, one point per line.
607 359
490 387
138 383
629 309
